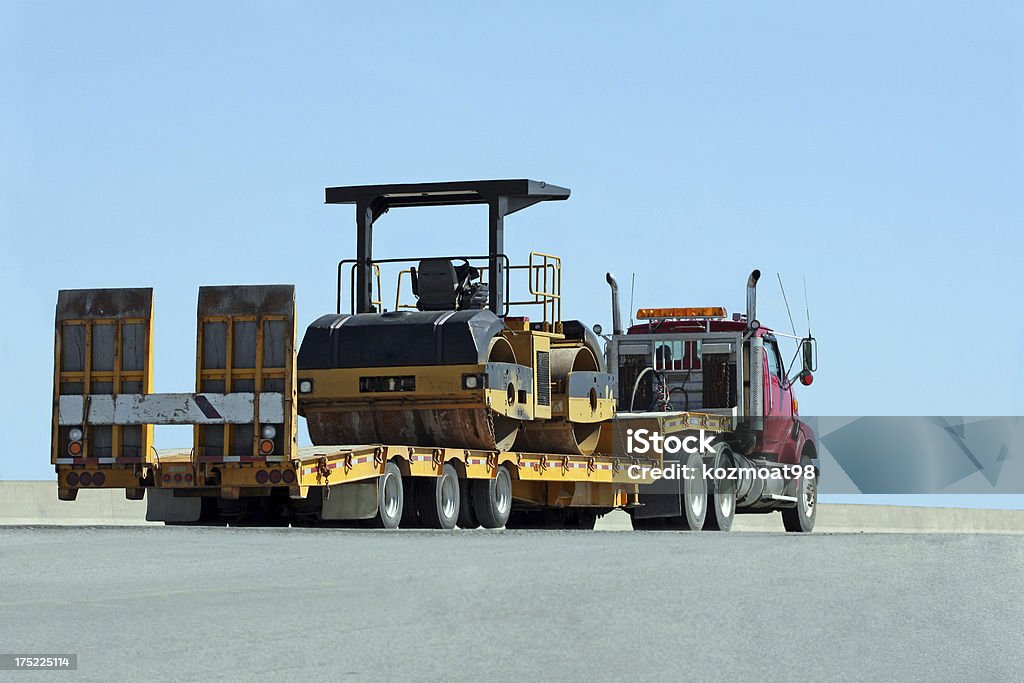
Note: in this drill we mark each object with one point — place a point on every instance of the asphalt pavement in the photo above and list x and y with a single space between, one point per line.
266 604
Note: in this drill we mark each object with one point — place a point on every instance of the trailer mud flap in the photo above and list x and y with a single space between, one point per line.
663 497
163 506
356 500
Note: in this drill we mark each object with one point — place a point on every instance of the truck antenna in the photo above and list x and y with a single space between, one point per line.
808 307
788 312
632 286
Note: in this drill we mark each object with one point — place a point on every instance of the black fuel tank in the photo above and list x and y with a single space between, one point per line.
380 340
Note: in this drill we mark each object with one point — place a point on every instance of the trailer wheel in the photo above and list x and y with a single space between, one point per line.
721 496
467 515
492 499
390 499
800 519
438 500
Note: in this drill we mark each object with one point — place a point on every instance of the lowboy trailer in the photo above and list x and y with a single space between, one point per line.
504 423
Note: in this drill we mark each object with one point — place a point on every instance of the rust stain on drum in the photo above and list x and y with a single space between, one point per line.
451 428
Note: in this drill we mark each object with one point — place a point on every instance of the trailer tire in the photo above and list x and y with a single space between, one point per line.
467 515
492 499
800 519
390 499
438 500
721 496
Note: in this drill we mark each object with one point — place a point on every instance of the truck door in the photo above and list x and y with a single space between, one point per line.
778 407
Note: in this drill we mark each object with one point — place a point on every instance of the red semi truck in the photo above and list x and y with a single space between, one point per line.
699 360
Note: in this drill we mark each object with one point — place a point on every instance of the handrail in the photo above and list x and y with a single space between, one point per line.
544 283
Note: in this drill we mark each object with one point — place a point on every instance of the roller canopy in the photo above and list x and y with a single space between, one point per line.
502 198
520 193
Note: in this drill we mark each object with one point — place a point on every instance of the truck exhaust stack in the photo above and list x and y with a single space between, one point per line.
752 323
616 311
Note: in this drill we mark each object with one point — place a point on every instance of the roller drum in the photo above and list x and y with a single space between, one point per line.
559 435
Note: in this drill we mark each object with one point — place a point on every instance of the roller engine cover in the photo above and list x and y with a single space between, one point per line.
398 338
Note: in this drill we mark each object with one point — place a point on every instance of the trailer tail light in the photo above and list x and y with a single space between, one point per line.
288 476
85 479
98 479
167 478
188 478
275 476
266 446
72 478
177 478
262 477
75 448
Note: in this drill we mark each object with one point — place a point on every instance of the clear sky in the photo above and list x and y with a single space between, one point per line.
873 147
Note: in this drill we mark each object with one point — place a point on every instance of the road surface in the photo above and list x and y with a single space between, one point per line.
234 604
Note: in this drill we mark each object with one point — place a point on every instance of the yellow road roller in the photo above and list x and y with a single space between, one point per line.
455 362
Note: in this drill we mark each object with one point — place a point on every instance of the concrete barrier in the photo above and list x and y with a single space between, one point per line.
36 503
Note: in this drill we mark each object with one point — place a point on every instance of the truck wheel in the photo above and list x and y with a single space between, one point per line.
492 499
721 497
438 500
800 519
695 500
467 515
390 499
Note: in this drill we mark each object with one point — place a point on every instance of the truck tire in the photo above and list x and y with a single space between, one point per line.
695 500
800 519
492 499
437 500
467 515
721 496
390 499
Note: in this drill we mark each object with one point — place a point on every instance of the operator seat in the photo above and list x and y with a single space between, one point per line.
436 285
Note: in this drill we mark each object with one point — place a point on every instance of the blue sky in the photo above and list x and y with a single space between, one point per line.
875 149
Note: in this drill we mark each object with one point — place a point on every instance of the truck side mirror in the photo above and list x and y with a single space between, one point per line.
809 353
